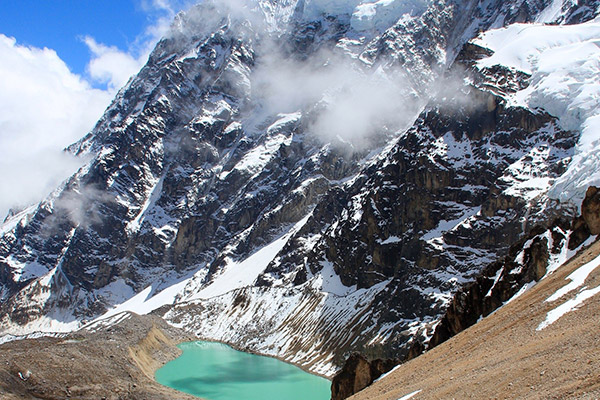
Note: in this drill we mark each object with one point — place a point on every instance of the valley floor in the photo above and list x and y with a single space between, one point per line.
507 356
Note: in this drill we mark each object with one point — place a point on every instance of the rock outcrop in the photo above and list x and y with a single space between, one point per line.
526 263
590 210
357 374
588 223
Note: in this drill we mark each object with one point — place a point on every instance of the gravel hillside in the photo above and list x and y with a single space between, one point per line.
507 356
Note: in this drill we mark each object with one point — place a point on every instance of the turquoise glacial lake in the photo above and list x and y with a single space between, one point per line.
215 371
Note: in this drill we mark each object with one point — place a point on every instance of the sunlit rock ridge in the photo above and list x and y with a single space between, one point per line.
309 178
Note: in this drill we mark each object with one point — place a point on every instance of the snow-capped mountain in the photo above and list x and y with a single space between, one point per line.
306 178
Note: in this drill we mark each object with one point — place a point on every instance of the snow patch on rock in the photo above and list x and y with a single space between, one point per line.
236 274
564 63
382 14
366 15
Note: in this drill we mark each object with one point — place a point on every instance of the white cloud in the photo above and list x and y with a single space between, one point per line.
355 104
111 66
171 7
162 12
43 108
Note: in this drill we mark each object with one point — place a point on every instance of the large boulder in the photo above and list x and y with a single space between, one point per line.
357 374
590 210
588 223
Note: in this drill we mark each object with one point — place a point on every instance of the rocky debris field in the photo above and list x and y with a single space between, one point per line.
105 361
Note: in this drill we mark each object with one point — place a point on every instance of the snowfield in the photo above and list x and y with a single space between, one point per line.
564 64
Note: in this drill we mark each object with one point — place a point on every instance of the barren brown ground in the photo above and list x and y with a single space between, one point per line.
111 364
505 357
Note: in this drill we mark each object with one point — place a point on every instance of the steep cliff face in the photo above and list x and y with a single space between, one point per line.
546 277
529 260
357 374
303 179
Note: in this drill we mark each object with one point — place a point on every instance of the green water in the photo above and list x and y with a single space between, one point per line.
215 371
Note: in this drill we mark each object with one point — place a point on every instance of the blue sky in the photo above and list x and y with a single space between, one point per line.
61 64
61 25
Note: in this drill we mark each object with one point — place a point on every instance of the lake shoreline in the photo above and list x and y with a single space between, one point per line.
256 353
218 370
111 359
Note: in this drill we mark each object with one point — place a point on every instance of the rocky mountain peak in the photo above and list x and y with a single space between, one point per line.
319 177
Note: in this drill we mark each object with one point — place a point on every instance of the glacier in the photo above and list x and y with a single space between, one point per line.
564 64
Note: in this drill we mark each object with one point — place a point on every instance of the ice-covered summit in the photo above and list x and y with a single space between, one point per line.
366 15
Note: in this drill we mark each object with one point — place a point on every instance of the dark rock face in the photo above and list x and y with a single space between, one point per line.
588 223
357 374
526 262
590 210
581 232
399 204
583 10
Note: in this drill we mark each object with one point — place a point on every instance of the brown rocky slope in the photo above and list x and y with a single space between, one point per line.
111 362
505 356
